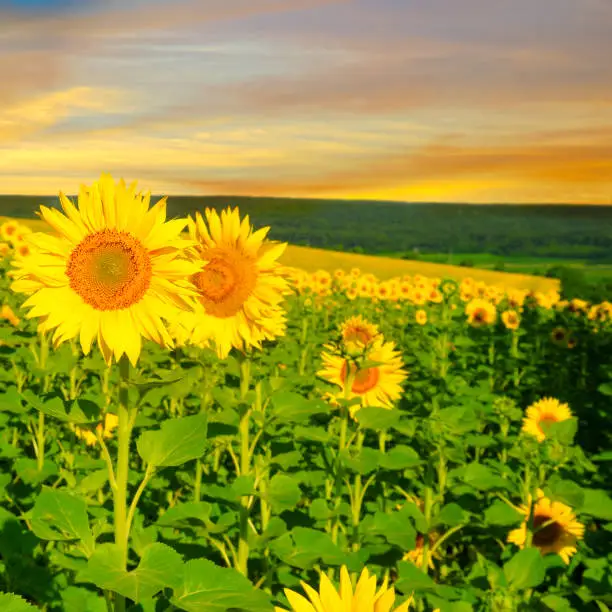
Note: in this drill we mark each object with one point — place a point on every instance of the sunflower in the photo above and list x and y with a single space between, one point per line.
378 385
111 274
555 528
110 423
543 412
241 285
559 336
5 249
358 334
363 598
511 319
421 316
8 230
480 312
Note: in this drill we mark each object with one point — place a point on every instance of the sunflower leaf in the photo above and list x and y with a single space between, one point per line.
526 570
178 441
160 566
14 603
205 587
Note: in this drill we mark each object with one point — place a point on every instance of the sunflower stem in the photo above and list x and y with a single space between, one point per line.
121 472
245 465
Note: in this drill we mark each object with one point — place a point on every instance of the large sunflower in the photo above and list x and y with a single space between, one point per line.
543 412
363 598
378 385
112 273
241 285
555 528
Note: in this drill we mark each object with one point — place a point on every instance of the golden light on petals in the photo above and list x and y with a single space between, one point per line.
110 270
362 597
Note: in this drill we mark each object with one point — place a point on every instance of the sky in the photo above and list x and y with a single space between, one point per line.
502 101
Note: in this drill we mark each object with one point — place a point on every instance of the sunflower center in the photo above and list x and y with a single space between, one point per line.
110 270
226 282
364 379
358 335
479 316
545 536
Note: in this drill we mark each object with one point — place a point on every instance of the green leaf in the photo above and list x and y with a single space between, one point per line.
378 419
412 579
205 587
178 441
27 470
160 567
525 570
597 503
567 492
554 603
303 547
451 514
283 493
77 599
14 603
10 401
605 388
366 461
500 513
60 515
395 529
185 513
81 412
291 407
483 478
562 431
400 457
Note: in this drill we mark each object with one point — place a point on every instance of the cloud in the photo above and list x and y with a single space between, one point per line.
28 118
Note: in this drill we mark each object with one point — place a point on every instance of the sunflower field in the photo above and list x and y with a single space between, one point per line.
187 424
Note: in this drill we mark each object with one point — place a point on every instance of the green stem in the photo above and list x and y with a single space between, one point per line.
121 472
40 441
245 467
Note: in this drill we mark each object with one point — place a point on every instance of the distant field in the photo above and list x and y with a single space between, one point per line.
312 259
520 264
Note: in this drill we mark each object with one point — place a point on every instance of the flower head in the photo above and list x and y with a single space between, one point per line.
374 385
240 285
555 528
480 312
543 412
113 273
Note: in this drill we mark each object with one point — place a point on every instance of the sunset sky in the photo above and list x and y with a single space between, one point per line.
413 100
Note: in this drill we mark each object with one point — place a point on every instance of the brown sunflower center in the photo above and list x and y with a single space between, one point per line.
548 535
110 270
10 230
364 379
226 282
357 335
480 315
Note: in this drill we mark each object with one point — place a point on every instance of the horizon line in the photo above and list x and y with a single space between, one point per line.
347 200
